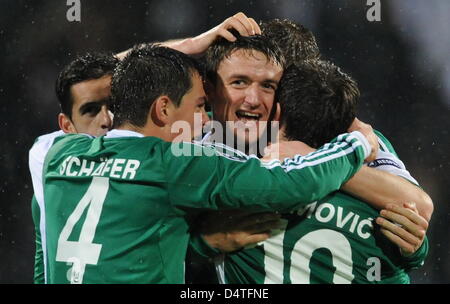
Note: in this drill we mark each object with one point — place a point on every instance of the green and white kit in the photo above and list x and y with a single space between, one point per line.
332 240
113 209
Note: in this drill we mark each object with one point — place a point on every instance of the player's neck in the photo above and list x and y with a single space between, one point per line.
148 130
282 135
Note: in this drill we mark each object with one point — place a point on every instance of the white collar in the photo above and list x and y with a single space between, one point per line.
206 138
122 133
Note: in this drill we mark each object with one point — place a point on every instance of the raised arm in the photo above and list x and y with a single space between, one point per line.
197 45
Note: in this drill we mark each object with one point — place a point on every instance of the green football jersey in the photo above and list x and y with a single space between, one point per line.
116 206
333 240
38 258
329 241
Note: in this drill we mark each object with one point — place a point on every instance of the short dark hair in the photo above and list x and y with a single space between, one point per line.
318 102
86 67
223 48
296 41
146 73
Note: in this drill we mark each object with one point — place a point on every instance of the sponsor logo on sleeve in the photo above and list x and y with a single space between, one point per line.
384 162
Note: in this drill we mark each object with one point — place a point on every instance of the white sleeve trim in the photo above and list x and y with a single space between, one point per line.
219 263
365 143
37 155
388 162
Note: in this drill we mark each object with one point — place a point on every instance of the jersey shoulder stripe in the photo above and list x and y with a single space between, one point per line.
385 144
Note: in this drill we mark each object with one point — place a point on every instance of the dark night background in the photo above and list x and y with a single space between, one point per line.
401 64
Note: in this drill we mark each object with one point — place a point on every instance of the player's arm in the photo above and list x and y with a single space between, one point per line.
225 231
197 45
380 189
407 229
239 184
383 190
377 186
231 230
39 255
389 183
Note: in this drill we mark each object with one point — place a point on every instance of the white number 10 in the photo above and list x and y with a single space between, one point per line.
84 251
301 254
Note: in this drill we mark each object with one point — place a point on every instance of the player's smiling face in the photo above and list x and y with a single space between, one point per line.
245 88
90 112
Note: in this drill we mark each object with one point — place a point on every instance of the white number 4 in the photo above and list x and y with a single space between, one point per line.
84 251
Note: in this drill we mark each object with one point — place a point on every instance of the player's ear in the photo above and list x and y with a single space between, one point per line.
161 110
66 124
277 115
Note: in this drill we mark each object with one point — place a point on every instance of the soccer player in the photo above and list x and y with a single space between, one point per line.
298 44
83 91
242 79
333 240
115 205
234 90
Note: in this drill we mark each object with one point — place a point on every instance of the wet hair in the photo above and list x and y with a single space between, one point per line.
296 41
146 73
318 102
223 48
85 67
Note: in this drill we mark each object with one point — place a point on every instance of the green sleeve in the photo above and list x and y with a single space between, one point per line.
39 257
417 259
218 181
385 144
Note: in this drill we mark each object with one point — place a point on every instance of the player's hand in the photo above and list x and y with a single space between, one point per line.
403 226
367 131
232 230
244 25
286 149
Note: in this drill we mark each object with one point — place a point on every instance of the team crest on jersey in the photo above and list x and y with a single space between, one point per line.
226 151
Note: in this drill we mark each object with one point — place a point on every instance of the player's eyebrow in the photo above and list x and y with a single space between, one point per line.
246 78
239 76
88 104
271 81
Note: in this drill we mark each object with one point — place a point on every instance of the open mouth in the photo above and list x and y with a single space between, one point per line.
247 116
